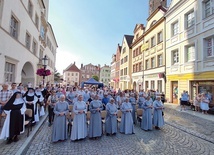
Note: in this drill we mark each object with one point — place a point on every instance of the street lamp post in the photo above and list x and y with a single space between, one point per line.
44 64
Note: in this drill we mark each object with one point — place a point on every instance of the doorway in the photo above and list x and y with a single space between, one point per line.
174 92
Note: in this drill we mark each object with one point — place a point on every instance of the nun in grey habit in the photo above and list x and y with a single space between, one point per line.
147 114
79 128
111 118
95 126
60 122
158 120
126 125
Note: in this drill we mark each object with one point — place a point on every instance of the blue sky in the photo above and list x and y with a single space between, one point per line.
88 31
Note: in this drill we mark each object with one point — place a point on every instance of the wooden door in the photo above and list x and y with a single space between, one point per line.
174 91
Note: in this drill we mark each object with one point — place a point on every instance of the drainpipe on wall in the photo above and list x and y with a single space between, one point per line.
165 80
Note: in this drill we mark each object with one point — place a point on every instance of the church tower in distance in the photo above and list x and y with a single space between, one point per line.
154 4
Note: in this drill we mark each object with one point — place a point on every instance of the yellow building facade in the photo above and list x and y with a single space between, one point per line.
189 48
137 57
154 51
125 63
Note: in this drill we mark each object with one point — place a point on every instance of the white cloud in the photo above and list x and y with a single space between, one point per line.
64 59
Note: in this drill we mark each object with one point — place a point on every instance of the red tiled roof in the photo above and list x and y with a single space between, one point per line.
72 67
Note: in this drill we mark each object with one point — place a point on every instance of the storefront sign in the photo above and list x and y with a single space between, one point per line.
151 76
144 46
206 83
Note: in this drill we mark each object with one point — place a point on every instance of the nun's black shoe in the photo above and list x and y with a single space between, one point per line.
107 134
16 139
9 141
157 128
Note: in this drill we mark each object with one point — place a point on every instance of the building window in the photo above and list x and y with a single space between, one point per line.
208 10
153 85
174 28
146 85
140 66
133 53
121 72
137 68
27 41
126 59
124 49
30 8
153 62
1 9
160 37
125 71
37 21
140 52
134 69
147 64
76 74
137 36
190 53
152 41
14 27
175 57
209 45
121 61
160 86
72 74
34 47
40 55
137 52
190 19
160 60
9 72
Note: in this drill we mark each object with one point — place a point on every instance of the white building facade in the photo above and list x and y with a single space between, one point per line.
190 48
71 75
26 37
105 75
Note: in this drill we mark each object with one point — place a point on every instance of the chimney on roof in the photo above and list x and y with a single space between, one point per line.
81 65
74 62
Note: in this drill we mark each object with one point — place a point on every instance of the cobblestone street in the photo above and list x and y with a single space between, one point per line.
182 134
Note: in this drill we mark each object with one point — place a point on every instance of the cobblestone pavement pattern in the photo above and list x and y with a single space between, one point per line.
171 140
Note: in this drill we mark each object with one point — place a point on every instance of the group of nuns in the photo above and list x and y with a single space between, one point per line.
152 116
15 112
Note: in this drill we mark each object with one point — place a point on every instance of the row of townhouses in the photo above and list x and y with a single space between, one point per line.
172 53
73 76
26 37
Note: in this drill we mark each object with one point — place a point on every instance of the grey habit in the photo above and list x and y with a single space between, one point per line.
79 128
158 119
141 101
126 125
95 126
147 116
132 100
111 118
60 131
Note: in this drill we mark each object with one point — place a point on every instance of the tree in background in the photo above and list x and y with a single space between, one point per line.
95 77
57 76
